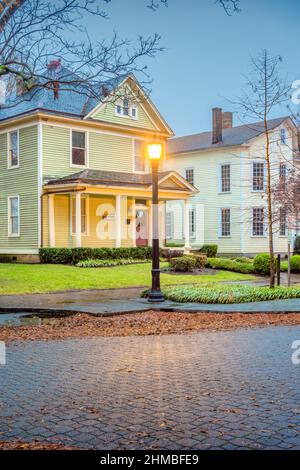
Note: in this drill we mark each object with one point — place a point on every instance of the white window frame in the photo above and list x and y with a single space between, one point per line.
146 159
286 228
87 215
9 166
283 136
9 226
264 222
252 177
120 104
190 168
220 178
86 150
220 222
169 225
192 210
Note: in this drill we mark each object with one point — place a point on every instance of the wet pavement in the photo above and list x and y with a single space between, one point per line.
225 390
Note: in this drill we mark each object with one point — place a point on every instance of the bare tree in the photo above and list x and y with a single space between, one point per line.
265 89
35 32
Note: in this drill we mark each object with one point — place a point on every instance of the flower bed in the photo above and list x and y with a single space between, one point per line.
105 263
229 294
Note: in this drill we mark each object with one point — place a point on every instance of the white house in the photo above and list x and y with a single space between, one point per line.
227 164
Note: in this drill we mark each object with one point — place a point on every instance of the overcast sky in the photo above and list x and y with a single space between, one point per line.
206 52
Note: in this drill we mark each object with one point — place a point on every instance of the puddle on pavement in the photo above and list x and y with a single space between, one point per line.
29 319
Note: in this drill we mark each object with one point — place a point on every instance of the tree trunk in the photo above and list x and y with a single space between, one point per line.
270 212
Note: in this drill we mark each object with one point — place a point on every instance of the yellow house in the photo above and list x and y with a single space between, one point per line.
75 172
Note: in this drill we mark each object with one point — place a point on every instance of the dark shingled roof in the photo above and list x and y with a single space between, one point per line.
231 137
109 178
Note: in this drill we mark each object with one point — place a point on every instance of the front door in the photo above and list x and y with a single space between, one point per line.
141 227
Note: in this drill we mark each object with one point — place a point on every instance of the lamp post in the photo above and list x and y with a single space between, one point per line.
154 153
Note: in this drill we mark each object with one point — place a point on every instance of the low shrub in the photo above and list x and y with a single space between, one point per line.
295 263
210 250
201 261
229 294
243 259
185 263
55 255
297 245
104 263
261 263
168 254
228 264
75 255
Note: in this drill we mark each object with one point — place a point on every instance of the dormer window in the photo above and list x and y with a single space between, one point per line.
124 109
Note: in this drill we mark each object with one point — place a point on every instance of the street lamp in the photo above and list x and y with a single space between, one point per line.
154 154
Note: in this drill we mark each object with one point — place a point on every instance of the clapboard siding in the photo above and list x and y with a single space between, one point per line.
22 182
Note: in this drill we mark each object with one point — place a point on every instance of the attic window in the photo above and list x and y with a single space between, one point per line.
123 108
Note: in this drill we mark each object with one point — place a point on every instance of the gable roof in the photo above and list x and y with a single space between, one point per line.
235 136
72 99
115 178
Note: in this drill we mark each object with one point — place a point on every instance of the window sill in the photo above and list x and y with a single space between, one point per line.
14 236
77 166
225 192
282 236
126 117
13 167
258 236
224 236
257 191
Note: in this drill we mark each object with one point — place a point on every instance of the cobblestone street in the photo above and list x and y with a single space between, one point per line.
224 390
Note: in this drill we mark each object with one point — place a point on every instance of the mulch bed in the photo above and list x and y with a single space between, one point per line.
34 445
142 324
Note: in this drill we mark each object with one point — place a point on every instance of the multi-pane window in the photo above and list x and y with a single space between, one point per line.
14 216
282 173
83 206
258 176
225 222
13 149
78 148
189 175
283 137
282 222
123 108
258 216
225 178
169 225
192 223
140 157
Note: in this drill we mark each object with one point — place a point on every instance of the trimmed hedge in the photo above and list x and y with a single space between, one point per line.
228 264
229 294
105 263
183 264
210 250
75 255
261 263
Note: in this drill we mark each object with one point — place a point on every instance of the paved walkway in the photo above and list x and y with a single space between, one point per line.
206 390
115 301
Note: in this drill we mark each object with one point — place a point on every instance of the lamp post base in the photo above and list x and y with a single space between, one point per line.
156 296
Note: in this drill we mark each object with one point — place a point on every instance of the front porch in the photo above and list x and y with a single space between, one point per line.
85 211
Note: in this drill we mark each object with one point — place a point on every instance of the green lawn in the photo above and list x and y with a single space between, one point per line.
26 278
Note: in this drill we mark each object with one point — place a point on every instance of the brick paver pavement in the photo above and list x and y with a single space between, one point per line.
225 390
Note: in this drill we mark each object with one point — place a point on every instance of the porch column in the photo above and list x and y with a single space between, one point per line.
162 218
78 219
186 225
118 222
51 218
133 233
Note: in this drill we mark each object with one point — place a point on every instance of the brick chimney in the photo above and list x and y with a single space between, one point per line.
216 125
227 120
54 66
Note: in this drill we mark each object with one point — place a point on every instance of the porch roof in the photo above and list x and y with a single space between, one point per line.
122 179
